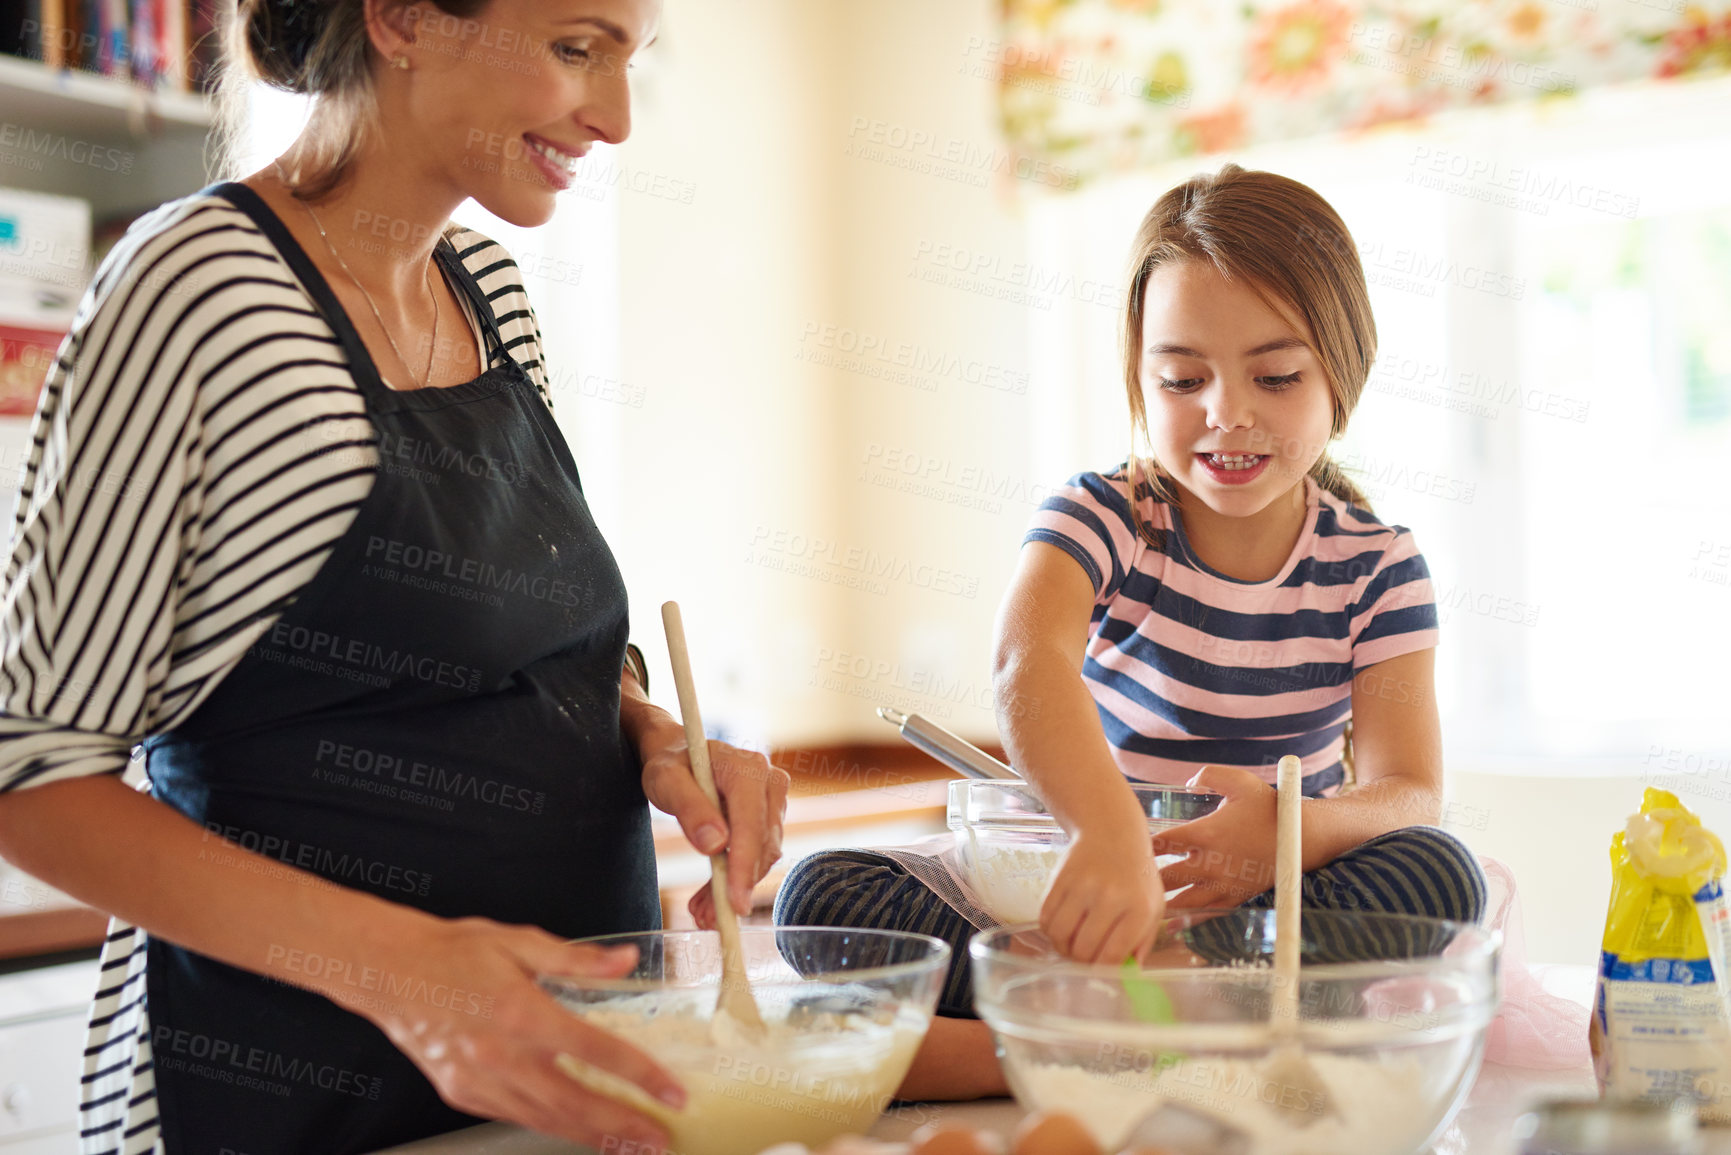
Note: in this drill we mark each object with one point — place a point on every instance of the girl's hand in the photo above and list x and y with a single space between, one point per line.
1230 853
753 800
1106 900
490 1046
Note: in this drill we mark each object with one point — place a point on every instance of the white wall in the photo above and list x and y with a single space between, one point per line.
932 459
768 322
1552 826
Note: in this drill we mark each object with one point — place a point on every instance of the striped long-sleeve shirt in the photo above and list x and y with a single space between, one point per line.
199 447
1190 667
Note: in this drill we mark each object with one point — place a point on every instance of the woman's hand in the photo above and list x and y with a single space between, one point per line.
1107 898
748 825
460 998
488 1037
1230 853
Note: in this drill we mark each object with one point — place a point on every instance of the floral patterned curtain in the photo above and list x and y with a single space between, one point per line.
1089 87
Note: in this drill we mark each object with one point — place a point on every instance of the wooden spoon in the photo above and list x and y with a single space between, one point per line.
736 1002
1303 1096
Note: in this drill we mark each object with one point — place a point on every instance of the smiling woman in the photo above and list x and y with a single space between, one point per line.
460 51
354 607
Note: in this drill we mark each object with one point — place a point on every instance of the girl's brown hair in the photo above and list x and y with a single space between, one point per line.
316 48
1284 241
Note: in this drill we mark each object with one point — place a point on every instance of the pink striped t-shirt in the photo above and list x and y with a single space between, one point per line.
1190 667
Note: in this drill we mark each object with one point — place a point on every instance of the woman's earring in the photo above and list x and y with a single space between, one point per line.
399 62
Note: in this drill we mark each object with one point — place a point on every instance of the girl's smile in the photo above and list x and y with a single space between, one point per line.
1234 468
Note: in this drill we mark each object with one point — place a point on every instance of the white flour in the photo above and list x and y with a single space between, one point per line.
1011 882
1381 1104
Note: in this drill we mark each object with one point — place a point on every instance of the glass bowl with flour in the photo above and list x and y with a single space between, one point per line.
1392 1018
844 1012
1008 846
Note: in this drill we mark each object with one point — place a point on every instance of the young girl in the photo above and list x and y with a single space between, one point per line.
1224 598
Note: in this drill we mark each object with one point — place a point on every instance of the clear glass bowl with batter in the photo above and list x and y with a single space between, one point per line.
845 1010
1393 1011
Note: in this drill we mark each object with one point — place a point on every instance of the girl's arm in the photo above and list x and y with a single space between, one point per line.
753 793
1107 898
1397 757
491 1054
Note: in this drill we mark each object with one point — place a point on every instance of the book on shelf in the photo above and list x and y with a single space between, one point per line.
27 352
15 20
156 44
45 264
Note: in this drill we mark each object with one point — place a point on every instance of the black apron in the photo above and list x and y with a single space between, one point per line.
435 720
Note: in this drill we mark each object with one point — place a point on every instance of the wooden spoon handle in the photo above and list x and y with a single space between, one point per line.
1288 870
735 994
695 740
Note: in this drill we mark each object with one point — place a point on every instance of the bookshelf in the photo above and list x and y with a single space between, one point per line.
154 140
70 100
124 149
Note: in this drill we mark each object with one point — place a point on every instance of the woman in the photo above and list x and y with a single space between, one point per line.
331 566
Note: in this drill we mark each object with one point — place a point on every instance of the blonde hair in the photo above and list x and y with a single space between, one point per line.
1282 240
316 48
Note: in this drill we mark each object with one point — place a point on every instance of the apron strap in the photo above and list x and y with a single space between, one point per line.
366 373
458 273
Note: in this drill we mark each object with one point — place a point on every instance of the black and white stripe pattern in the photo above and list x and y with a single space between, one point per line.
199 448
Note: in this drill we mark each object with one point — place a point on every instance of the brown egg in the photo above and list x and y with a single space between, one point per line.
950 1139
1054 1133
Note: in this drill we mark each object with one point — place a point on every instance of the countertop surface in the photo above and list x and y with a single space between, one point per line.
1483 1127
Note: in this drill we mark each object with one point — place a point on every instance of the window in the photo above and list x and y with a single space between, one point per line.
1550 410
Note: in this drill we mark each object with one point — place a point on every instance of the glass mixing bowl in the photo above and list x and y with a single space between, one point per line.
1392 1018
1009 846
845 1009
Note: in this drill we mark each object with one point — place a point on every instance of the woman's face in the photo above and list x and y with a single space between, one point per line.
494 94
1238 405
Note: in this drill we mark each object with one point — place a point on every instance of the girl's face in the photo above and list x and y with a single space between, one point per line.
492 95
1238 405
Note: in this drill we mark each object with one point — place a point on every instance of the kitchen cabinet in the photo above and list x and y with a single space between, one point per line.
42 1014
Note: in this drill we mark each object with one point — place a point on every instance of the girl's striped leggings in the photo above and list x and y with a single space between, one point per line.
1419 870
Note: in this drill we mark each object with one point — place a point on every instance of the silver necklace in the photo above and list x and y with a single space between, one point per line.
428 375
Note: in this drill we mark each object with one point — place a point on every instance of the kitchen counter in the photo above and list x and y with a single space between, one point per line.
1482 1128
